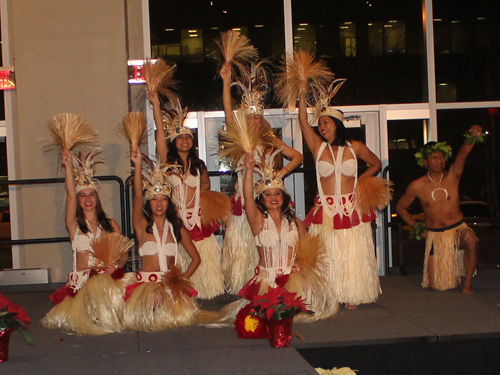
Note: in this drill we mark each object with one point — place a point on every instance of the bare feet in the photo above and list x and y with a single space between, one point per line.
350 307
467 288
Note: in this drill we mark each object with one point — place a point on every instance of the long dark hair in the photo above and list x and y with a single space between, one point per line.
102 219
171 215
287 210
173 157
340 133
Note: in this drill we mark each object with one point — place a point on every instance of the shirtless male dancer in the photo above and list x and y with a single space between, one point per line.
447 233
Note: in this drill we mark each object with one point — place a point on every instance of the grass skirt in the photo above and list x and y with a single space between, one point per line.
207 280
350 265
239 254
153 307
448 260
97 309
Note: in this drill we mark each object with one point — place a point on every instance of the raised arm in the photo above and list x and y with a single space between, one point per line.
296 158
253 213
365 154
138 220
312 139
192 252
161 140
71 198
225 74
458 166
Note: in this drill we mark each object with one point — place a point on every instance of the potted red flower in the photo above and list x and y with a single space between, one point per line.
12 317
278 307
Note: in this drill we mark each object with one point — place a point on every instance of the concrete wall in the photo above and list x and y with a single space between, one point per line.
69 56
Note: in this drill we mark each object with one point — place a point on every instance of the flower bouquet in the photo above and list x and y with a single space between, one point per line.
278 307
12 316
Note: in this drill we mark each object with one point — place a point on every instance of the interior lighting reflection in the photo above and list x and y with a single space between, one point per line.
169 29
259 25
193 35
236 28
300 28
192 31
303 24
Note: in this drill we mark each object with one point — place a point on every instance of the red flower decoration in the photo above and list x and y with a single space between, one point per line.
278 303
13 316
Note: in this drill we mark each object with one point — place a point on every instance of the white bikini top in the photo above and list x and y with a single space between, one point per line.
160 246
349 168
276 245
191 181
81 244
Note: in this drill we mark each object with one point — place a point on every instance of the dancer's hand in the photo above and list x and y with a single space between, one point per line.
135 155
153 97
249 161
476 130
225 72
66 157
110 269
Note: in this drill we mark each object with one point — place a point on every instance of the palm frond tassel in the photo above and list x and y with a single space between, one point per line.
300 67
134 128
242 136
70 131
159 77
236 49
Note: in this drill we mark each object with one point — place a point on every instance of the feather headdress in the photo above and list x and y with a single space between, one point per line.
241 136
159 77
267 174
236 49
110 247
83 170
300 67
134 128
324 95
253 82
70 131
173 120
159 178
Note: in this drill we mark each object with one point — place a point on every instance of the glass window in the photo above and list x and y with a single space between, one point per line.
185 33
467 50
378 47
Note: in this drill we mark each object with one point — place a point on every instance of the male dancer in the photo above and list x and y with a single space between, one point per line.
447 233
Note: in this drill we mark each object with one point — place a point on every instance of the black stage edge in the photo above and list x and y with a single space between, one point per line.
456 357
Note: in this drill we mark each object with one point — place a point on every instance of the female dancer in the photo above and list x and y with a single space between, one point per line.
150 302
282 245
239 260
180 150
87 306
346 232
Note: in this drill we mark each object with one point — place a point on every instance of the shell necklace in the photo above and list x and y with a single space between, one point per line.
438 188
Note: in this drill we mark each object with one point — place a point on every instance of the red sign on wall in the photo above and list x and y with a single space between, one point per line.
136 71
7 79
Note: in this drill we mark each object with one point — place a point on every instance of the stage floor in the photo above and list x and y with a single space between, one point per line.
404 314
